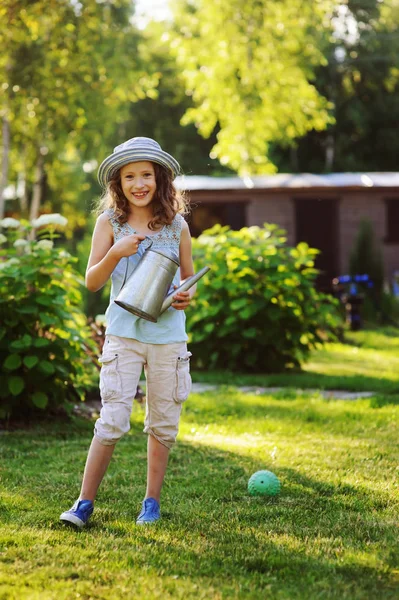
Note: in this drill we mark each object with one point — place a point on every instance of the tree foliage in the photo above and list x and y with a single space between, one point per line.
362 81
69 74
249 66
159 115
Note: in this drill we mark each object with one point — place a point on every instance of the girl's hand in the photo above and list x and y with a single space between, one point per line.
127 246
181 300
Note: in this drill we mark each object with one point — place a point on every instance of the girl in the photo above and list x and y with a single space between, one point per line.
140 202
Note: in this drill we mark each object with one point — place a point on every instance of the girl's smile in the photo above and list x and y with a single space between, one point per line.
138 182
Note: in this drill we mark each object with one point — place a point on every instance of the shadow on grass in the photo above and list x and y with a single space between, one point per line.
381 400
301 379
311 542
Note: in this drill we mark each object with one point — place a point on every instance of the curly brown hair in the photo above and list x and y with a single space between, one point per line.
167 201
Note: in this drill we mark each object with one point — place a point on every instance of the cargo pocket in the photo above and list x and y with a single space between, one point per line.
183 378
110 381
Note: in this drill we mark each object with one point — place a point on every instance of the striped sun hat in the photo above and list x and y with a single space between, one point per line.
134 150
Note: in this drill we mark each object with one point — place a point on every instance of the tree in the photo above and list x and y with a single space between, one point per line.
362 80
249 66
69 74
159 115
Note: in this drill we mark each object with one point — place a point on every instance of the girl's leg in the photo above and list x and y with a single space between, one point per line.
122 364
97 463
162 411
157 461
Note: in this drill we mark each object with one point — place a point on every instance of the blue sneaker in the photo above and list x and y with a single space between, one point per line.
150 512
79 514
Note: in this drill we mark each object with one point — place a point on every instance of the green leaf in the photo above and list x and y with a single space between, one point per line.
22 344
47 319
11 322
30 361
28 270
63 371
15 385
27 310
239 303
41 342
251 332
46 367
247 312
12 362
40 399
44 300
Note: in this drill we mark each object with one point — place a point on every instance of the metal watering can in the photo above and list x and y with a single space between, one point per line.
145 292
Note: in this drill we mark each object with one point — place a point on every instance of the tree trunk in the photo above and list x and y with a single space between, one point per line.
23 188
37 188
294 159
330 153
4 164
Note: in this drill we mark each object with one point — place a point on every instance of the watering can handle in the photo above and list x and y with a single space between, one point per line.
127 260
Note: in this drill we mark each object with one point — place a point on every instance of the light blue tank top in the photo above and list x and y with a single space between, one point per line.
171 325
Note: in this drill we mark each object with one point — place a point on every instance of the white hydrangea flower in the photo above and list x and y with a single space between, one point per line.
20 243
53 219
64 254
45 244
9 223
9 262
3 238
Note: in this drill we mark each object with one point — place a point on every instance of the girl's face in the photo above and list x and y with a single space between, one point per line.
138 183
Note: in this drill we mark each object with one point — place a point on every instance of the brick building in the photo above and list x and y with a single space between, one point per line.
323 210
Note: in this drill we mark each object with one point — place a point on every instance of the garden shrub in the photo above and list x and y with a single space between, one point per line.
46 350
257 309
379 303
366 259
93 303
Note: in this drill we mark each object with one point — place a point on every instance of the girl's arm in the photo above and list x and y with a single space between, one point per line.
186 268
105 255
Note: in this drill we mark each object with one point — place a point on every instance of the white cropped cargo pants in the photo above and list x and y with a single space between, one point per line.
167 371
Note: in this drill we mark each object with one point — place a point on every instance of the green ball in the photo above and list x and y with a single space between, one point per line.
263 483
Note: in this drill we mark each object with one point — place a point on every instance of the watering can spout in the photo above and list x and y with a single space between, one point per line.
188 283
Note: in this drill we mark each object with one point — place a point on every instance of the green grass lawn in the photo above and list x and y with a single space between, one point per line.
331 534
367 361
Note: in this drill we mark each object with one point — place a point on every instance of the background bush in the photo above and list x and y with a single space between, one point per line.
366 259
46 350
257 309
93 303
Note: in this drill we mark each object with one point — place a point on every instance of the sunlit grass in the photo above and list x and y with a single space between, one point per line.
353 365
331 534
339 359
